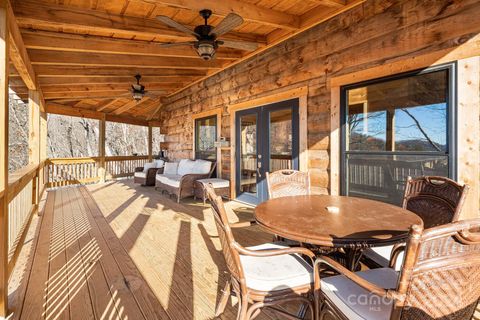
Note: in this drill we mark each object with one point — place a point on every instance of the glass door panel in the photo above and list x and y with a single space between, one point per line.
248 154
281 142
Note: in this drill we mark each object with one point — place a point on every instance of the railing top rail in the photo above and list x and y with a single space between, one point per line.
20 178
73 160
116 158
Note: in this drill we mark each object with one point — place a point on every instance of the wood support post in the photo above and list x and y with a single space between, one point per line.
34 101
34 126
150 143
4 61
101 149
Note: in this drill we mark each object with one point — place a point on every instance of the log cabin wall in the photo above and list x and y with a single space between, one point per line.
371 35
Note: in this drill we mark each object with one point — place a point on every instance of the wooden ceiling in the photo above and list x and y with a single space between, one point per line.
84 53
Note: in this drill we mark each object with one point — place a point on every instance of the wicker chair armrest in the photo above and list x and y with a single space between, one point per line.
243 224
274 252
332 264
151 173
138 169
397 249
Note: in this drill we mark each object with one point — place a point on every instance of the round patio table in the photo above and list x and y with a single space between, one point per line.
336 222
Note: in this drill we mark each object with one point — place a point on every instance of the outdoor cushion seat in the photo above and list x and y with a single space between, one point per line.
275 272
216 183
381 256
140 174
357 303
172 180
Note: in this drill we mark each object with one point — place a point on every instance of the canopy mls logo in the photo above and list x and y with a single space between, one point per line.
375 303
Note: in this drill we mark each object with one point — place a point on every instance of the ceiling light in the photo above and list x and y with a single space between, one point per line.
137 95
206 50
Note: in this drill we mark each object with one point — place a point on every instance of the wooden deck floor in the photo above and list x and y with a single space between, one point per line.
122 251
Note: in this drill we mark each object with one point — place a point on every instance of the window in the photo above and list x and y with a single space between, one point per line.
205 137
397 127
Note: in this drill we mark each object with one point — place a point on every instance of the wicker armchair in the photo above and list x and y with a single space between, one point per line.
263 276
437 200
284 183
439 280
147 178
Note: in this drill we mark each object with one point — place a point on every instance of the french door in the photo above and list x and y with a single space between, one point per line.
267 140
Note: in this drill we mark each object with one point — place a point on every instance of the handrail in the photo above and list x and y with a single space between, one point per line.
83 170
18 179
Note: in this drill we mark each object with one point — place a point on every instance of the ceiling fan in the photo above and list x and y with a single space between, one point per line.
138 90
206 35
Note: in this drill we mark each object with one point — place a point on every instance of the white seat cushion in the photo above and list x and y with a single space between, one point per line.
381 256
277 272
185 166
140 174
170 168
172 180
148 165
357 303
201 166
216 183
159 163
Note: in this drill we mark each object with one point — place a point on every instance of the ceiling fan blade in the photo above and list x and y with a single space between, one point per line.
230 22
175 44
174 24
242 45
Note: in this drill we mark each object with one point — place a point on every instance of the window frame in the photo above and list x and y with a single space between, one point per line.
452 108
195 136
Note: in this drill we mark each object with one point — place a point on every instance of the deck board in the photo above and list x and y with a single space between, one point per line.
122 251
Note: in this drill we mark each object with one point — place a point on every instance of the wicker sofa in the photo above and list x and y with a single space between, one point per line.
178 178
146 175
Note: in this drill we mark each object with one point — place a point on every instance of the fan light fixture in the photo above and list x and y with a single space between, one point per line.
137 95
206 50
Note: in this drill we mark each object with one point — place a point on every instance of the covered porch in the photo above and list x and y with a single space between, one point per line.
318 86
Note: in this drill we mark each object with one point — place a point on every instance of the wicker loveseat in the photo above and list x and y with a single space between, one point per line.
178 178
146 175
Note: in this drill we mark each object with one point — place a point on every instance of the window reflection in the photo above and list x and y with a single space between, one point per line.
395 129
205 137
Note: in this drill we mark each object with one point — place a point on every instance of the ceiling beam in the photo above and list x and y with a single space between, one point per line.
18 52
248 11
43 57
126 87
83 43
154 113
79 95
105 80
129 105
106 104
56 108
331 3
75 20
85 71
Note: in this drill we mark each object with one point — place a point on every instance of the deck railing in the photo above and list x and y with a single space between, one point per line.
69 171
25 188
